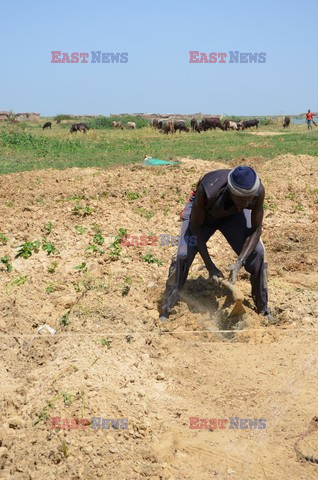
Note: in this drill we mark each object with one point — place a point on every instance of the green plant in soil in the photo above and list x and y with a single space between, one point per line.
26 249
132 196
106 343
94 249
79 229
98 239
125 290
63 447
51 268
67 398
3 239
16 282
44 414
148 214
6 260
42 417
149 258
49 248
64 320
82 267
82 210
48 228
50 288
115 247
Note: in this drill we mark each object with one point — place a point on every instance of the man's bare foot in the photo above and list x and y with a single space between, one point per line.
269 319
164 317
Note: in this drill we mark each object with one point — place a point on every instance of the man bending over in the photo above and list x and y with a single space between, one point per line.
230 201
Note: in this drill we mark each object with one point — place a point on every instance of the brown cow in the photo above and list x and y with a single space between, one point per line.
167 127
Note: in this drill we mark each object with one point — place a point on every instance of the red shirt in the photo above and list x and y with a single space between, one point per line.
309 116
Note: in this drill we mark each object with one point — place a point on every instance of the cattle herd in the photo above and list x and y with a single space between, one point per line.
207 123
172 126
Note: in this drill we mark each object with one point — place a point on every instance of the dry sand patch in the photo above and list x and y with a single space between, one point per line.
155 379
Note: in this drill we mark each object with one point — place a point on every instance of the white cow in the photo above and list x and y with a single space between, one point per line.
233 126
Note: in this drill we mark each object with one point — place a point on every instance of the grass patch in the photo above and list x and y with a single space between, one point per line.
35 149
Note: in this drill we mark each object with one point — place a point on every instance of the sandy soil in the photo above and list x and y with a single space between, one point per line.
114 360
268 134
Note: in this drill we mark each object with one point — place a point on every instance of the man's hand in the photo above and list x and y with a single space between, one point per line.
234 269
215 274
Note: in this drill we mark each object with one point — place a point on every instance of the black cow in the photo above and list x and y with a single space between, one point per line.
208 123
226 125
47 125
286 122
154 123
180 125
195 126
250 123
79 127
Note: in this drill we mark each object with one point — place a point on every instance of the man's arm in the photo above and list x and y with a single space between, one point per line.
197 219
251 241
257 225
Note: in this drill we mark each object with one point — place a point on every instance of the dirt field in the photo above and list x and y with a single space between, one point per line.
110 357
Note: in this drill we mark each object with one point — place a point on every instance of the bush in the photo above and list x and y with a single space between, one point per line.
62 116
107 122
266 121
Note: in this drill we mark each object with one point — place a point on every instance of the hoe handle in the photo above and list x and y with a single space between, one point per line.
236 293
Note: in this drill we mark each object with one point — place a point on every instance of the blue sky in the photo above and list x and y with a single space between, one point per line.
158 37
